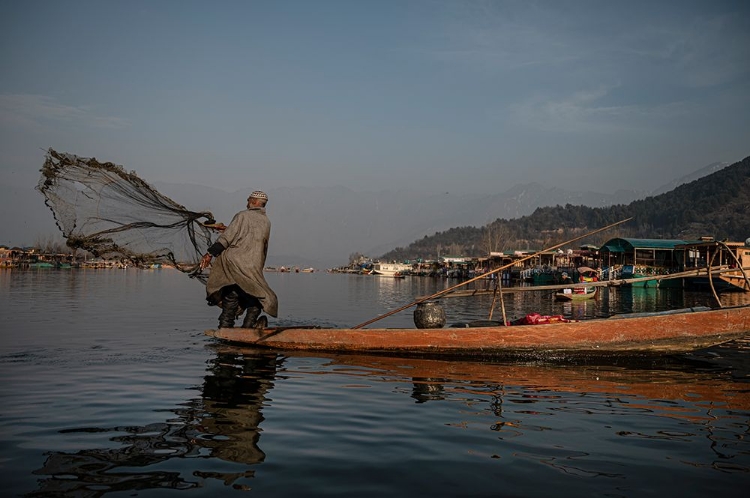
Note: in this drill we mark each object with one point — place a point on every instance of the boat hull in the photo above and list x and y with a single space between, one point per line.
667 333
575 296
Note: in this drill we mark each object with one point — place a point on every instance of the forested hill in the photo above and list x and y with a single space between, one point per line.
717 205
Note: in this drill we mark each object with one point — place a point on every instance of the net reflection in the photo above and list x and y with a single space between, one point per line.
223 423
94 472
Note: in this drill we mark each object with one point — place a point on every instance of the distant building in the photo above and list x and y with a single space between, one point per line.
655 253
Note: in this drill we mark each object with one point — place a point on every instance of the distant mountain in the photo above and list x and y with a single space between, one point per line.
705 171
716 205
322 226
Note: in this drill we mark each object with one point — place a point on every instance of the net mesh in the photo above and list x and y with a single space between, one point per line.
112 213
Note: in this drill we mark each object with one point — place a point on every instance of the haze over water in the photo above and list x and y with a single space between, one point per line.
110 388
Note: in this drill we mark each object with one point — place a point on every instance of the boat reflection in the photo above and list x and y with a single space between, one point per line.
215 439
698 379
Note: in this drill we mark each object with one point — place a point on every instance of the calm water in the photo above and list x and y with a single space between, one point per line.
109 387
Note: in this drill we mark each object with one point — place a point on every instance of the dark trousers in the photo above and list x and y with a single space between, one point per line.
233 301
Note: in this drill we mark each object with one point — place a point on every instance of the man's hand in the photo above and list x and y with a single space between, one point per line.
219 227
205 261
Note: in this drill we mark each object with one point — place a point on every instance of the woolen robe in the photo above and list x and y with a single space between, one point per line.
246 244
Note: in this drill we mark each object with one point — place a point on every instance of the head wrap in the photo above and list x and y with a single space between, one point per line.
259 195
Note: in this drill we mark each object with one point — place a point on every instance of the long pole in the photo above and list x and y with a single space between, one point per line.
498 290
502 307
496 270
494 300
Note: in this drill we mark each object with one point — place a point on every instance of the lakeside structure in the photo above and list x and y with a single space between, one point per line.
31 257
642 260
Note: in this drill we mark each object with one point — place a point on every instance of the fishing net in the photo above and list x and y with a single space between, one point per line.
111 213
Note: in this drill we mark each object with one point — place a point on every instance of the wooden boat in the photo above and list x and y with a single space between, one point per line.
577 294
586 274
668 332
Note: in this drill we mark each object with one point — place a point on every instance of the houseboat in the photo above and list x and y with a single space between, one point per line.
729 256
390 269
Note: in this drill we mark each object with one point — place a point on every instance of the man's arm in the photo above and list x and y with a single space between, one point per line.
215 249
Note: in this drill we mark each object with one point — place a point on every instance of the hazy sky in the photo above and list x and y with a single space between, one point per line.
439 95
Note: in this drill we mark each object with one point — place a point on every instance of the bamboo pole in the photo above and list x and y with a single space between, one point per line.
502 307
494 300
602 283
498 290
496 270
711 279
739 263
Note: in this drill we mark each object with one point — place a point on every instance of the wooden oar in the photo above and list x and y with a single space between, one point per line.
496 270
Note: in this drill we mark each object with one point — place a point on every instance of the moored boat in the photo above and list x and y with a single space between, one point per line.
671 332
390 269
576 294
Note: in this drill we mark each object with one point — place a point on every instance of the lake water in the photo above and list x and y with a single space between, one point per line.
110 388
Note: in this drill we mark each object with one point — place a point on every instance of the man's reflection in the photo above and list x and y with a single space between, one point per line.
223 423
233 398
426 389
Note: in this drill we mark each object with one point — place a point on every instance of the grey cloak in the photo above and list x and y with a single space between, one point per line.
242 261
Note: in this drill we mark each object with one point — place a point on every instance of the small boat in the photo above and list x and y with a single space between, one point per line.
577 294
390 269
668 332
586 274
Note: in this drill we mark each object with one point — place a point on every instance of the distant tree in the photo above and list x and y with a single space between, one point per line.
716 205
52 245
356 257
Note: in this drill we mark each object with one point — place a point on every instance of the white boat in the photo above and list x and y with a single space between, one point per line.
390 269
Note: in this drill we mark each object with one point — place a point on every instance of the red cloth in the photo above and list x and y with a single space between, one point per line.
537 319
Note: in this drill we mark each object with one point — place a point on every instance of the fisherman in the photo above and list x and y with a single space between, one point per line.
236 281
565 278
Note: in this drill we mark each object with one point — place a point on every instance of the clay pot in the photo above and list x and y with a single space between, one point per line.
429 315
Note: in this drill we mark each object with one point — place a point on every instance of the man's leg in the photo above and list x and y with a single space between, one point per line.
230 302
253 307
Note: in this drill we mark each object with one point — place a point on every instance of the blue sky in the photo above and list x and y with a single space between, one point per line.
460 96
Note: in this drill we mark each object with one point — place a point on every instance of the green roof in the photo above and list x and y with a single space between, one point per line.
628 245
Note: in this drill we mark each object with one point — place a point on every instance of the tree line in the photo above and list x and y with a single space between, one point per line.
717 205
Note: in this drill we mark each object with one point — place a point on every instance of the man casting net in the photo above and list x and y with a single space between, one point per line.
101 208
